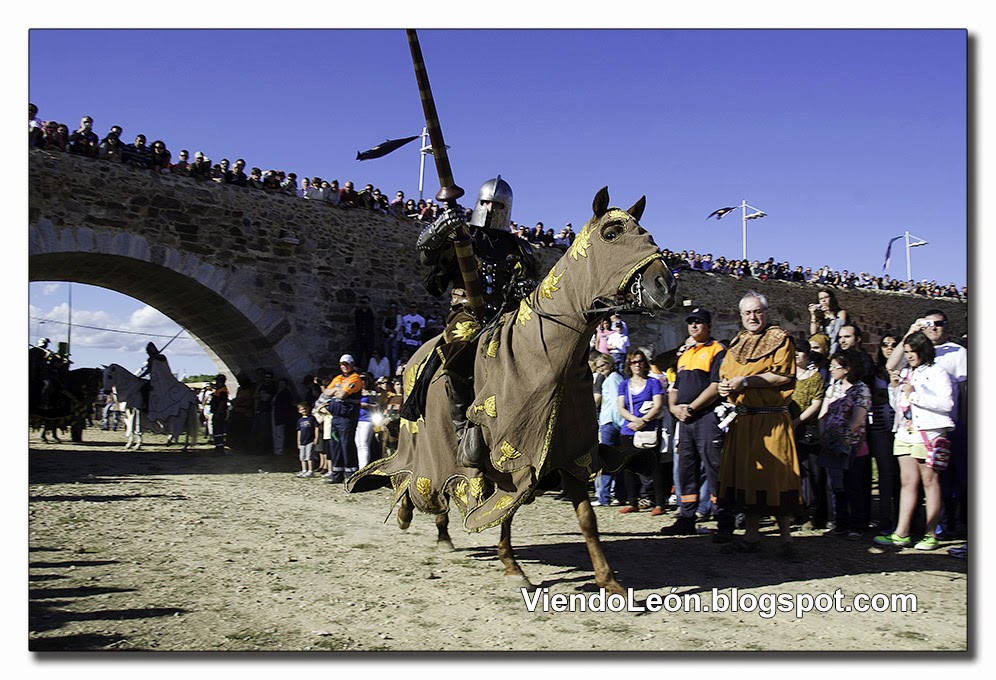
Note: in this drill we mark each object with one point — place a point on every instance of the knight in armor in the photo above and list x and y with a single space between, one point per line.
508 273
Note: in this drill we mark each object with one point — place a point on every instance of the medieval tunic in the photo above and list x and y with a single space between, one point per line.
759 472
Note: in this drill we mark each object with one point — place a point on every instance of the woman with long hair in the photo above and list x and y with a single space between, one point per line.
879 436
843 418
826 316
922 396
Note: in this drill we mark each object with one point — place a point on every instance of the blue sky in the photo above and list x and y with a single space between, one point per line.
843 144
845 138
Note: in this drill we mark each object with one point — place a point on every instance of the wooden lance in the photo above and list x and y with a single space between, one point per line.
449 192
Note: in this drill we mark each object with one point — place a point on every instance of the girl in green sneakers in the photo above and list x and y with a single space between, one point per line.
922 395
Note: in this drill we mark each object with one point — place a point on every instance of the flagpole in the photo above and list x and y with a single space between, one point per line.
909 269
743 221
421 166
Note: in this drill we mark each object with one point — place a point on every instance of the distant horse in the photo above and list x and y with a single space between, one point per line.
160 404
533 388
64 401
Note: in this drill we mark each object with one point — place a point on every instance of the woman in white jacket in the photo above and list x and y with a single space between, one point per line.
922 396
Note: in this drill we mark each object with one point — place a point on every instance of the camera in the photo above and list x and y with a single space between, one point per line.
927 323
725 412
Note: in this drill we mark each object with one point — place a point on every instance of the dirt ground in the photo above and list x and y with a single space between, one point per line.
171 551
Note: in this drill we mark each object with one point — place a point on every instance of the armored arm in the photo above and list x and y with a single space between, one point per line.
434 239
526 273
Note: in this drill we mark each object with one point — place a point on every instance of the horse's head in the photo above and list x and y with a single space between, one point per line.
110 376
625 266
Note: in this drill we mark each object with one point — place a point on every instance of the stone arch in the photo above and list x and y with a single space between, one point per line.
235 333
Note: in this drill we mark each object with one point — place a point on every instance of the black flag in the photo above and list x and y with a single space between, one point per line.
721 212
384 149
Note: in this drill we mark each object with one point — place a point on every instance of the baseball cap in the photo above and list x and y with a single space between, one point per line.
346 359
701 314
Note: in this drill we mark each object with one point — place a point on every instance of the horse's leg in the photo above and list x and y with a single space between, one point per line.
443 541
578 492
405 511
513 571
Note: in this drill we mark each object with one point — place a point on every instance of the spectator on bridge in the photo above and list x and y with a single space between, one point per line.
182 166
84 141
331 190
398 204
305 188
36 132
237 176
138 154
255 179
271 181
160 156
111 149
220 172
289 184
348 198
54 138
411 210
201 171
380 203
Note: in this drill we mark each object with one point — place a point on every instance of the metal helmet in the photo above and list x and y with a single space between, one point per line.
499 194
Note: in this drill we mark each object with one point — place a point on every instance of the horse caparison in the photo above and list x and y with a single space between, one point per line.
533 394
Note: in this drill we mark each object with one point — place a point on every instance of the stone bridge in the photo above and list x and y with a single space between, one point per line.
270 280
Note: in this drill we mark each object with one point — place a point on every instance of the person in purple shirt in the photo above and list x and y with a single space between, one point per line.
641 403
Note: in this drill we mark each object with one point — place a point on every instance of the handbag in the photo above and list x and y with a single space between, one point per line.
643 439
938 453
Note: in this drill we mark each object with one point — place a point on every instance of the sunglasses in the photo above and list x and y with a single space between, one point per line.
636 363
889 344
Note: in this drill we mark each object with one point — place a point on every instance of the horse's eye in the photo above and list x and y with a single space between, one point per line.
611 232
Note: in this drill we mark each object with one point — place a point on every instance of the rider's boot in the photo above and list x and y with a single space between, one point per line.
472 452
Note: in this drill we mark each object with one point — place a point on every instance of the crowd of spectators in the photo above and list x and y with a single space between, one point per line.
156 156
770 270
843 410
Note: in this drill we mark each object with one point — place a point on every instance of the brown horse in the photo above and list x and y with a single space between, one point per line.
533 388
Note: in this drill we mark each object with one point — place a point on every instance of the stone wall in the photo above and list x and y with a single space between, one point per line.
269 280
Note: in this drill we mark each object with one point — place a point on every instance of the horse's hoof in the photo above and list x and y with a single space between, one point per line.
404 520
445 545
518 582
614 589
